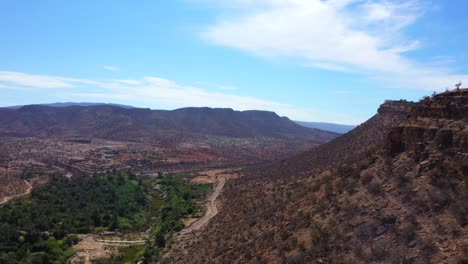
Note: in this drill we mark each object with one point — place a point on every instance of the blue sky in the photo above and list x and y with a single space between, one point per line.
311 60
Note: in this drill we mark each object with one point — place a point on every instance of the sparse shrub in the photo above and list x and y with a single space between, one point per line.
351 189
403 180
437 178
439 199
319 237
464 258
340 186
166 260
283 235
398 255
327 179
459 210
315 187
422 203
328 190
293 243
358 251
345 171
366 178
375 188
349 208
407 231
296 259
321 207
302 247
72 240
365 231
268 235
428 248
380 250
389 219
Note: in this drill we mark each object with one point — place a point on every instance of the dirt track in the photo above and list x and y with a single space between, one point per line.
9 198
128 242
211 211
92 247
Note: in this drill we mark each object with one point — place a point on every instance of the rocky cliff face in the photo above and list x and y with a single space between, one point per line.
394 190
363 140
396 107
439 121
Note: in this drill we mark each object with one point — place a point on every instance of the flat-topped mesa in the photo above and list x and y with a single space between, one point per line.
396 107
450 105
438 121
118 123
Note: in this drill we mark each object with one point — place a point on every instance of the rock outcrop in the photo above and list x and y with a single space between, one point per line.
439 120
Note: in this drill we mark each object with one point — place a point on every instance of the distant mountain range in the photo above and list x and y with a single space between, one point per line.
338 128
67 104
126 123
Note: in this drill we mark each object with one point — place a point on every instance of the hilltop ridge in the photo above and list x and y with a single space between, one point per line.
356 199
113 122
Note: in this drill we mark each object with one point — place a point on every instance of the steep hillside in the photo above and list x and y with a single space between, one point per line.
394 190
112 122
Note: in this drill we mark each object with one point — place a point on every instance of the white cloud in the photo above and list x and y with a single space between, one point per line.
344 35
228 88
111 68
9 78
218 86
130 82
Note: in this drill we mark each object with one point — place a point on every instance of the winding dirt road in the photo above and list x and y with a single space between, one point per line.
211 211
27 192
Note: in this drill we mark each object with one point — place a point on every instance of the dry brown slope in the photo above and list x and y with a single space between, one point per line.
370 204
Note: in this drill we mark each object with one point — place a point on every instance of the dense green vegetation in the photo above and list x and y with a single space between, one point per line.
129 254
178 204
38 229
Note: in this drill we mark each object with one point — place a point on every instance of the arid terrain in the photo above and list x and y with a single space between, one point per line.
21 164
93 248
25 157
393 190
234 132
78 151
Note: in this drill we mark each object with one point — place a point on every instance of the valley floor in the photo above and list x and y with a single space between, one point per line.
108 245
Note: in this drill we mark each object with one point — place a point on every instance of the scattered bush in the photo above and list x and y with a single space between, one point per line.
366 178
407 231
375 188
459 210
380 250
